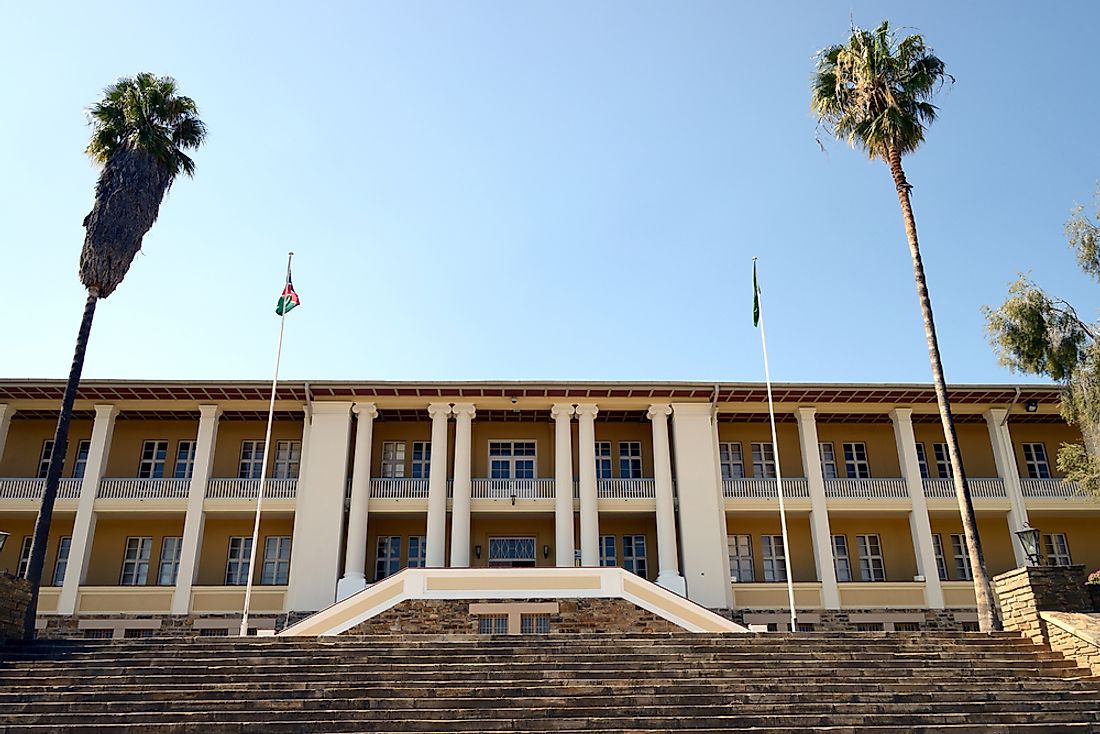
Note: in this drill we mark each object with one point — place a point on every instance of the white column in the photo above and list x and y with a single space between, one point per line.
435 543
819 510
563 485
355 552
460 506
319 510
6 412
668 573
1005 455
590 514
80 548
193 524
919 525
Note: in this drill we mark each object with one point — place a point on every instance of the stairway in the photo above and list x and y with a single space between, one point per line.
853 683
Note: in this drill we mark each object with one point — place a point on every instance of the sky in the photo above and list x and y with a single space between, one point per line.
541 190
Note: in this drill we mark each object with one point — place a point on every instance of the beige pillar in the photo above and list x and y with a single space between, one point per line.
668 574
563 485
195 520
6 412
590 516
80 548
355 552
821 534
435 543
460 505
1004 454
919 525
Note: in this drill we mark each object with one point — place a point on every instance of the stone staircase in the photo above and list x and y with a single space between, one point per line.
766 683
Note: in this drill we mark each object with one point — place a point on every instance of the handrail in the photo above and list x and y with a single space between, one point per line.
981 488
26 488
626 489
866 488
521 489
1059 488
398 488
249 489
143 489
758 488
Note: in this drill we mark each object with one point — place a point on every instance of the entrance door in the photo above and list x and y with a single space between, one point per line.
511 552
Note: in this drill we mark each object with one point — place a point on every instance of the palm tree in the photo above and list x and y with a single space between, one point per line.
140 130
874 91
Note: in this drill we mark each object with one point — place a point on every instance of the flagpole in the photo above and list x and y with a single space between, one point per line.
263 466
775 450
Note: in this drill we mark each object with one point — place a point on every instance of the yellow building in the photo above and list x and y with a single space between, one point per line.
673 481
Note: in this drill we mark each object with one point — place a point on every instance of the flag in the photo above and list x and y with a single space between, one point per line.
755 296
288 300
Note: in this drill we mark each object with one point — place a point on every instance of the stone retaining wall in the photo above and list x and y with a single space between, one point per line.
1076 636
15 597
1024 592
158 625
851 620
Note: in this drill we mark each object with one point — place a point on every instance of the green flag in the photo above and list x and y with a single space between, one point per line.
755 297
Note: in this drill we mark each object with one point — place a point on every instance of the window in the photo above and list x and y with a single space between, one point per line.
871 566
512 460
943 461
83 448
775 566
135 562
534 624
417 551
842 562
963 571
99 633
870 626
288 458
185 460
763 461
1035 456
828 460
153 455
733 463
138 633
855 461
169 567
922 461
511 552
907 626
422 459
388 560
214 632
1057 548
630 459
740 552
236 566
608 552
492 624
44 458
276 568
62 563
24 556
941 563
603 460
634 554
252 460
393 459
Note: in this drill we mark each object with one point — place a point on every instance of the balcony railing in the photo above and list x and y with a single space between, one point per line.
31 489
626 489
979 488
521 489
1051 488
398 489
764 488
249 489
143 489
865 488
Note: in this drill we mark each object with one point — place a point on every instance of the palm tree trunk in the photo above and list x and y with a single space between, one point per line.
57 463
983 592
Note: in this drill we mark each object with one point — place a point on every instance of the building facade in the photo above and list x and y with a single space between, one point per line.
675 482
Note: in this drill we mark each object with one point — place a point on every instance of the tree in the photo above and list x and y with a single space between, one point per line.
141 129
1036 333
875 91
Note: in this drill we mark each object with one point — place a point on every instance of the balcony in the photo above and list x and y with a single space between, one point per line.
506 489
979 488
397 489
249 489
764 488
31 489
869 489
626 489
143 489
1052 489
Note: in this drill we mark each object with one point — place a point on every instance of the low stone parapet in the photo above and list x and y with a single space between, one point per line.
15 597
1075 635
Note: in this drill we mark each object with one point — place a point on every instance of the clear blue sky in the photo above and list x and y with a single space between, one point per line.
540 190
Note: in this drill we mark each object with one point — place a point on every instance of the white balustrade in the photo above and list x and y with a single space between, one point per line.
32 489
626 489
866 488
143 489
979 488
398 489
521 489
1056 488
764 488
249 489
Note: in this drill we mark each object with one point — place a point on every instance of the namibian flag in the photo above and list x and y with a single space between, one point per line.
289 300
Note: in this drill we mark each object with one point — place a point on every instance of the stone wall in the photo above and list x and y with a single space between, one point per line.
453 616
1024 592
851 620
15 597
161 625
1076 636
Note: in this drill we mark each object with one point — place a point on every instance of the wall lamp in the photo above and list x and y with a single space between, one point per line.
1029 539
477 551
513 499
546 551
1031 406
3 539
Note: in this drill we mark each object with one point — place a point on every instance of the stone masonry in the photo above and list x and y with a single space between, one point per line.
15 596
1024 592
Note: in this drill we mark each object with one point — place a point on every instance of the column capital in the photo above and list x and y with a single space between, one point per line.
562 410
995 416
805 413
464 409
365 410
328 407
901 415
587 409
663 410
210 412
439 411
106 411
